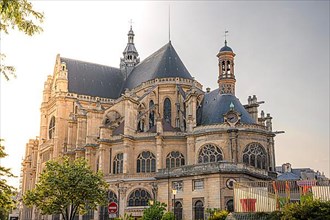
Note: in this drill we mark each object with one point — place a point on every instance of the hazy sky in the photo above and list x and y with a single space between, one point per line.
282 56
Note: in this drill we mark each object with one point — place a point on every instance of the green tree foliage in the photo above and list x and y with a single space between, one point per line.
17 14
67 187
217 214
168 216
155 211
7 192
308 209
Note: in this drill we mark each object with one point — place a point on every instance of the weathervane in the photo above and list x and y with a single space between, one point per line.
169 23
226 34
130 22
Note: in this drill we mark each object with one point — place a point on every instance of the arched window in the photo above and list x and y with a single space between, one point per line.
140 126
255 155
139 197
167 110
199 210
151 114
228 67
174 159
230 205
146 162
210 153
178 210
51 129
118 163
112 197
223 66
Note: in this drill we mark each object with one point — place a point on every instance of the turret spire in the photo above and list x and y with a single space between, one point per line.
226 79
131 56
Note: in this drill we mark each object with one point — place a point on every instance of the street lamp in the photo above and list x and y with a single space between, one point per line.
174 193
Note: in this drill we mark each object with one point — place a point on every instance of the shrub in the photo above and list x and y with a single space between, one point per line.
168 216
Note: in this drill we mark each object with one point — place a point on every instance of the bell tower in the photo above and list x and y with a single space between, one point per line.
226 79
131 56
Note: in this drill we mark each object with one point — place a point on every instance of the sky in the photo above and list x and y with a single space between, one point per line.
282 57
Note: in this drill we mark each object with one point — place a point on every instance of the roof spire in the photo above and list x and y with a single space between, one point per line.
226 34
169 23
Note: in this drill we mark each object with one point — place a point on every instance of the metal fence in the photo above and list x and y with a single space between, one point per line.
268 196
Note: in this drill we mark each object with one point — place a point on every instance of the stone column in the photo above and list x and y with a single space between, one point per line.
81 130
190 150
159 152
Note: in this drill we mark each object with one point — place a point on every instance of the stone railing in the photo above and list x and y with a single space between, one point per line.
209 168
123 177
170 80
46 144
90 98
225 126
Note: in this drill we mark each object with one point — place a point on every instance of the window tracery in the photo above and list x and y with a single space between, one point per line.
210 153
255 155
118 163
139 197
174 159
146 162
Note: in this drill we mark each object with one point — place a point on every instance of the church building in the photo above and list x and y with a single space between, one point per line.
153 131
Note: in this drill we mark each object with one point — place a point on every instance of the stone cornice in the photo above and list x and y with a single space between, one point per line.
212 168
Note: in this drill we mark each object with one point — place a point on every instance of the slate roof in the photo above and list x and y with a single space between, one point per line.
226 48
162 64
93 79
288 176
215 105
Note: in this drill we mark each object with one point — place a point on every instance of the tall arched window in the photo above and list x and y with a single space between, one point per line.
255 155
167 110
140 126
178 210
146 162
228 67
199 210
174 159
210 153
51 128
112 197
118 163
139 197
151 114
223 66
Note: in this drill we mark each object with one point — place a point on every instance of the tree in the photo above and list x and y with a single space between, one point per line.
7 192
155 211
307 209
18 14
67 187
168 216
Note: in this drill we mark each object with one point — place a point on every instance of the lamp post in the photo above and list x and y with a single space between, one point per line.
174 193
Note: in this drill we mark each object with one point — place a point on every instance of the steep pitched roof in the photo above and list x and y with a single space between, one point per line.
162 64
215 105
93 79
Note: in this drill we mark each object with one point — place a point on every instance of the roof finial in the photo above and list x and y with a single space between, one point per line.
169 23
130 22
226 34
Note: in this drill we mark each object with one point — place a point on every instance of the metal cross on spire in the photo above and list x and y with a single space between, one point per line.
226 34
130 22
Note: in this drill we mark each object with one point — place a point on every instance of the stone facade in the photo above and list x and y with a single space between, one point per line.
149 140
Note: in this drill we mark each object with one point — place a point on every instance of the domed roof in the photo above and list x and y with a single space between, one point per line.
226 48
215 105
